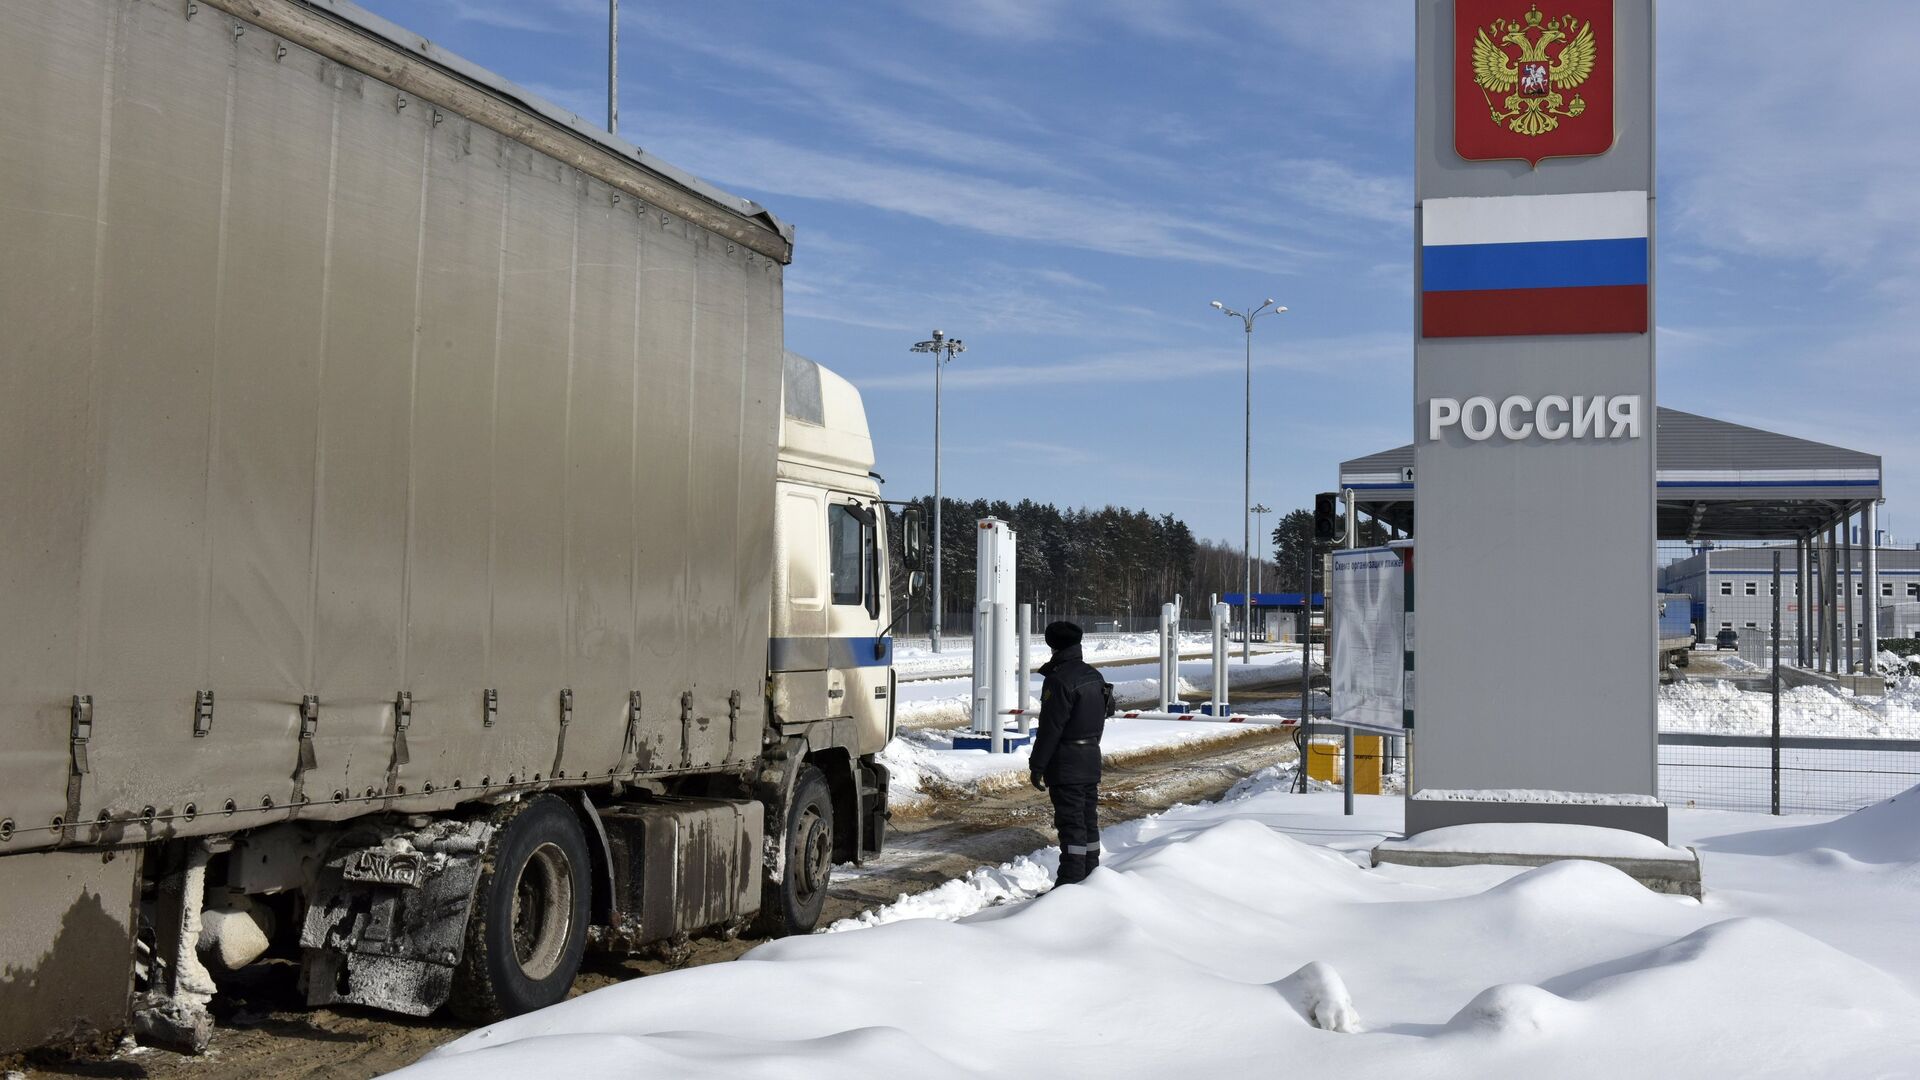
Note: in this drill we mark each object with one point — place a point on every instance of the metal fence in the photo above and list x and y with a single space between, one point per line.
1798 774
1810 775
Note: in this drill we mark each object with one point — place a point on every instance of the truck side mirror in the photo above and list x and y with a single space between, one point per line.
915 582
913 528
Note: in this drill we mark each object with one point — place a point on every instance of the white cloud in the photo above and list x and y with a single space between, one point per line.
546 17
1788 133
1340 190
976 203
1360 356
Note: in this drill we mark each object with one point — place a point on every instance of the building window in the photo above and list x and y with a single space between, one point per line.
1859 589
1750 625
1913 589
1886 588
1723 626
1726 588
1753 588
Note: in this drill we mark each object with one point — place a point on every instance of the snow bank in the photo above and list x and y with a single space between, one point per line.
1883 839
1720 707
1214 941
1886 832
923 762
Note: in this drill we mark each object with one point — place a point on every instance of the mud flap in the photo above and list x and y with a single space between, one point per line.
66 956
387 919
873 807
780 765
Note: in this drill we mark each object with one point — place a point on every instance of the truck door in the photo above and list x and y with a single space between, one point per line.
798 657
858 659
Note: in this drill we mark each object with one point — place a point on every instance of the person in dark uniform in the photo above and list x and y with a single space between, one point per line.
1074 705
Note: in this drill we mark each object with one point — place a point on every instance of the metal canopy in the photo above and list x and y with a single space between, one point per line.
1715 481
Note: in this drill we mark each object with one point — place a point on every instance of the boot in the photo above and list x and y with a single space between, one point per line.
1093 859
1073 869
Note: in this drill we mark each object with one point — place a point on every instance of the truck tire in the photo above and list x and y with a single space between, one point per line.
793 905
527 930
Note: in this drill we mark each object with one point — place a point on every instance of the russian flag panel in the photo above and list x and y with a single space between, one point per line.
1534 264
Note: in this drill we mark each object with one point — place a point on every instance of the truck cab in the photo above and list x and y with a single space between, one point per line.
829 661
830 683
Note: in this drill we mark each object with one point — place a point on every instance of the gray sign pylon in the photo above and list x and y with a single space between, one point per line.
1536 556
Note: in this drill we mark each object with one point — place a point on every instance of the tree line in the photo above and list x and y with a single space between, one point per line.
1108 562
1080 561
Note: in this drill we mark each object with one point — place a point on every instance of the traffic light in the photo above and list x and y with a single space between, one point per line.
1326 520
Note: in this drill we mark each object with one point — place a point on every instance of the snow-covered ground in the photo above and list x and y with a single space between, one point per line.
914 658
921 756
943 702
922 763
1246 938
1721 707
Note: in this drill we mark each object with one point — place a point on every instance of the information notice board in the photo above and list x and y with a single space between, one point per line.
1368 600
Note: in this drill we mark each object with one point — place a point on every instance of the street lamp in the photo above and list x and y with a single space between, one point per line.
1246 507
944 349
1260 511
613 67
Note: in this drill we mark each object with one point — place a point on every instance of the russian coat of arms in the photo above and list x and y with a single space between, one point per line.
1540 84
1531 61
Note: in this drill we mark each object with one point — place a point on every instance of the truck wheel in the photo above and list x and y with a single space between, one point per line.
793 905
528 926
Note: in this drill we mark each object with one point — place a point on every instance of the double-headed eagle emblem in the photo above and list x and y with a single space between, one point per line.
1530 60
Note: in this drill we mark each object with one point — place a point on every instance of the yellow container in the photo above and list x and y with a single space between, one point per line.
1323 763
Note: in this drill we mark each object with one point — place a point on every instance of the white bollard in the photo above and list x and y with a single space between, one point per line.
1023 697
1169 655
1221 613
1001 692
983 718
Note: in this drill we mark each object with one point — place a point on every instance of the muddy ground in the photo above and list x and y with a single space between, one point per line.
265 1032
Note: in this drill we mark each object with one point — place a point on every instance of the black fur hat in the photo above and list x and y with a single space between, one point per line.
1062 635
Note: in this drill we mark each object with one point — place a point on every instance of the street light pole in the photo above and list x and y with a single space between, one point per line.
943 349
1260 511
613 67
1246 506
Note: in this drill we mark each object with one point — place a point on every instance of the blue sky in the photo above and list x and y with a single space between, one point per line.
1065 185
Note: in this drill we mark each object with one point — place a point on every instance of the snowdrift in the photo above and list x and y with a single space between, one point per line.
1883 839
1212 942
1720 707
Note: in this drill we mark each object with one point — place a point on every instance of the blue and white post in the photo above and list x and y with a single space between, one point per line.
1169 655
1221 614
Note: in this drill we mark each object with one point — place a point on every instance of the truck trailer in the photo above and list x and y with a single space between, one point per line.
420 556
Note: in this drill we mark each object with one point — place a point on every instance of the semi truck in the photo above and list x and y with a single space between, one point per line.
420 557
1676 636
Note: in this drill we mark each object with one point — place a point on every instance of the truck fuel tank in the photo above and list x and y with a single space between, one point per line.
680 865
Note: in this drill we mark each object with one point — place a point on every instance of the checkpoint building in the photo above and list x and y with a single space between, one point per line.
1719 481
1732 589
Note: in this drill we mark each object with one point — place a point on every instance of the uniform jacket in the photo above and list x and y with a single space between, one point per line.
1073 707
